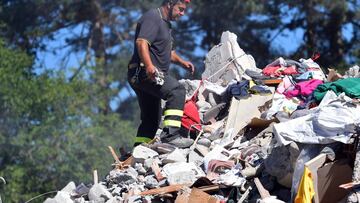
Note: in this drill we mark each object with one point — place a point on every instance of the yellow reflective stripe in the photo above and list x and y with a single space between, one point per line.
172 123
173 112
142 139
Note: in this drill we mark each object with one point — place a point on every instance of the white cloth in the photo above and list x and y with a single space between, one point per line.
328 123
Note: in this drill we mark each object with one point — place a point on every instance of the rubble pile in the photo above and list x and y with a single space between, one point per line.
284 133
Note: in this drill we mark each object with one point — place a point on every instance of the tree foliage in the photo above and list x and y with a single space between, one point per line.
50 129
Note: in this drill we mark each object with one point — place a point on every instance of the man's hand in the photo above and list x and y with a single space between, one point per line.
189 66
150 72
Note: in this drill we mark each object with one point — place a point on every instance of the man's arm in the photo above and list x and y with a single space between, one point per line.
185 64
143 50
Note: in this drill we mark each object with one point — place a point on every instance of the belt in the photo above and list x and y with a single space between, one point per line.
135 65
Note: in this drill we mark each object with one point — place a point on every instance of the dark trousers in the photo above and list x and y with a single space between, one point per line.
149 97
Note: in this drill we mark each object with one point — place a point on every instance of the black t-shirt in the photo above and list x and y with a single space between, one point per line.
157 32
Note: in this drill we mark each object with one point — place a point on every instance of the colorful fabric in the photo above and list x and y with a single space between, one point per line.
351 87
276 71
305 88
285 85
191 118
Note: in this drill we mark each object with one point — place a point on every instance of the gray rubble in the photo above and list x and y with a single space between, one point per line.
247 150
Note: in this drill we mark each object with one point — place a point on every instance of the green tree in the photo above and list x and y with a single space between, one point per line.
51 129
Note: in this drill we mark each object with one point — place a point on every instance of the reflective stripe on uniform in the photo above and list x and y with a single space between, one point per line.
173 112
172 123
142 139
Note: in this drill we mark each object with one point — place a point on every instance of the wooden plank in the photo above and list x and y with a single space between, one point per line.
128 161
352 198
197 195
313 165
209 188
263 192
272 81
96 177
350 185
163 190
157 171
116 158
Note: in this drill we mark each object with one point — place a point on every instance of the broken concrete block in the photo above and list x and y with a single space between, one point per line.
190 86
281 163
203 106
203 150
214 112
141 153
149 162
69 188
135 199
80 200
196 158
175 156
151 182
217 58
61 197
217 64
204 141
113 200
132 172
140 169
80 190
163 148
182 173
50 200
99 193
124 178
120 177
232 178
117 191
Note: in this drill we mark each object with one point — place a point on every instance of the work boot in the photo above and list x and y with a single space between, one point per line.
172 136
182 142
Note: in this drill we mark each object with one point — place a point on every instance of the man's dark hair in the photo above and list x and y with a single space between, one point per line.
172 2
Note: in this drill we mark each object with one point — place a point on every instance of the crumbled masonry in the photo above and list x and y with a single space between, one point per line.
266 135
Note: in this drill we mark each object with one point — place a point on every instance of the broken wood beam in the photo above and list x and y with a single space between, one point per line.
116 158
263 192
157 171
163 190
119 164
209 188
96 177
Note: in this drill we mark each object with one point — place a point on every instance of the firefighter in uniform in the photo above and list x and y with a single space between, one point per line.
149 78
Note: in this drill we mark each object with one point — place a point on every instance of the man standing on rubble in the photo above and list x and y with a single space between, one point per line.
148 74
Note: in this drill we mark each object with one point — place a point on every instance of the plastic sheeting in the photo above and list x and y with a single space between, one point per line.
334 121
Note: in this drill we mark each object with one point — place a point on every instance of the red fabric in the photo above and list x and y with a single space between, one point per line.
277 71
271 70
291 70
191 118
